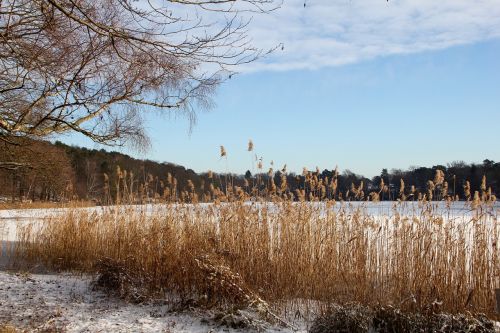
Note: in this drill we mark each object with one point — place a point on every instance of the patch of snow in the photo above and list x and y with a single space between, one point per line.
66 302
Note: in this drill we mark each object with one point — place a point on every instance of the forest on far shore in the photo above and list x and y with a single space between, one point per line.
44 171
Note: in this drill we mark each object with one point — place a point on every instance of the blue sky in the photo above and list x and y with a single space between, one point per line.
426 93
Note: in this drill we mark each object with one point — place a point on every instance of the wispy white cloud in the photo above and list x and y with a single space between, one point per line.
336 32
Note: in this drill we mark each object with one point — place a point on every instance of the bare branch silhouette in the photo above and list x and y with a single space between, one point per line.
94 67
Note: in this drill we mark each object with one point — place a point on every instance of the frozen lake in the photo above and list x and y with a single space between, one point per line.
11 219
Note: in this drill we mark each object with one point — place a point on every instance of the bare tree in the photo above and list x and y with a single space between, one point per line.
94 66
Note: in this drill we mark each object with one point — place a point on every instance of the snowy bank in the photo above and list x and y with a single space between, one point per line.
68 303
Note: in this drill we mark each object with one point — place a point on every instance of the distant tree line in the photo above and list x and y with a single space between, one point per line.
36 171
99 174
42 171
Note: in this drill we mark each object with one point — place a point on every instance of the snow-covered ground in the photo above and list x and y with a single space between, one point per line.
68 303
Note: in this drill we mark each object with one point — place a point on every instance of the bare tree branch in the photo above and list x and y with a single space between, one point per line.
94 67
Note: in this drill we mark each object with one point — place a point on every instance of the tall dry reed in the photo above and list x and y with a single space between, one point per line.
413 256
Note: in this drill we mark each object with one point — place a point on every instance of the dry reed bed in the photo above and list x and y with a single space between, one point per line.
285 252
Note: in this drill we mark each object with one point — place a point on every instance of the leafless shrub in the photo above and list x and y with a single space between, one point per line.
116 277
359 319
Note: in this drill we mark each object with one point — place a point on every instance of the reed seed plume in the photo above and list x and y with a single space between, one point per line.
430 189
223 152
259 164
402 189
484 193
381 185
374 196
476 201
483 183
444 190
439 177
467 190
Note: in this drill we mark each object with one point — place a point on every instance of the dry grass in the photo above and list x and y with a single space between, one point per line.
240 254
6 328
45 204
